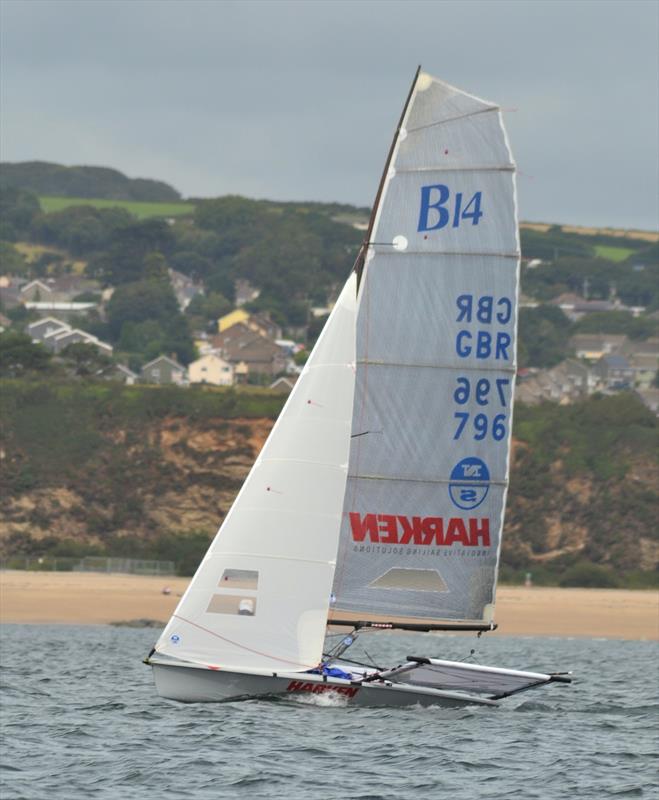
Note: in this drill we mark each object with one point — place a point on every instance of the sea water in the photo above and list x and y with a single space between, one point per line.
80 719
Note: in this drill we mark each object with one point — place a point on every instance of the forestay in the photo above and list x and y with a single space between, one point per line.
436 330
260 597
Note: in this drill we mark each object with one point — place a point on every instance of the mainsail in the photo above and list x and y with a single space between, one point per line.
436 337
260 597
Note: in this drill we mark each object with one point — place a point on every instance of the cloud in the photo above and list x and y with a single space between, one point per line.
298 100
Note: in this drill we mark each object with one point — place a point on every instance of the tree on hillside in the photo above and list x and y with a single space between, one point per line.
139 301
618 322
600 276
85 359
19 355
45 178
543 335
125 260
290 251
82 230
144 316
209 307
232 214
193 264
155 267
554 244
11 261
17 210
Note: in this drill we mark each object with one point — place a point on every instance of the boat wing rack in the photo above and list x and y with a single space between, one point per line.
458 675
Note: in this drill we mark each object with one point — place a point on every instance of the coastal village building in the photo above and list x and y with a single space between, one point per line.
261 323
565 383
650 398
66 310
10 291
592 346
48 296
60 341
45 327
63 289
238 315
644 347
633 365
164 370
240 372
185 289
575 307
211 369
284 385
646 367
245 292
58 295
119 372
614 372
239 344
56 335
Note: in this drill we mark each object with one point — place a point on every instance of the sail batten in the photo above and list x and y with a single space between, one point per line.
364 477
392 252
451 119
435 369
483 168
381 363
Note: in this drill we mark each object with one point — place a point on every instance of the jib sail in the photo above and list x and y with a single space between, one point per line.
260 597
436 331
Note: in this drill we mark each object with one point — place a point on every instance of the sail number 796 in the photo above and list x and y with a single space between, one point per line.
483 392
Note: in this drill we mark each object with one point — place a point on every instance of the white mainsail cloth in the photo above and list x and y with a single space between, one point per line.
259 600
436 337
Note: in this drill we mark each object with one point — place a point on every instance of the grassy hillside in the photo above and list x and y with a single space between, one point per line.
43 177
612 252
140 210
146 471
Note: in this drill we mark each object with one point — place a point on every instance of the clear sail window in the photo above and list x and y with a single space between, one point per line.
419 580
239 579
232 604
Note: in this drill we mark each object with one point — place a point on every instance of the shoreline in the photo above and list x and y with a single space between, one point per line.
88 598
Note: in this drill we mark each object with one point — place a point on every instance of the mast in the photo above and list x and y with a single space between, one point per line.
359 264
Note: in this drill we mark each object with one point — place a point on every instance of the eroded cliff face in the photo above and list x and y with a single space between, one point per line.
170 476
554 515
176 475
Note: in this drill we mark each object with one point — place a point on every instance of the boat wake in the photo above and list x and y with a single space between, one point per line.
324 700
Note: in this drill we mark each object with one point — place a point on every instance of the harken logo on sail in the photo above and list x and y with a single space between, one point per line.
430 531
470 483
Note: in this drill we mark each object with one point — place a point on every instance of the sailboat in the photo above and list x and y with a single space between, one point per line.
377 501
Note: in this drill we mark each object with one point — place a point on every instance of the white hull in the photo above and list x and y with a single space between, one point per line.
190 683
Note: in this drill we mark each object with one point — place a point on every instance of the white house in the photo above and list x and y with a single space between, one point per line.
211 369
55 335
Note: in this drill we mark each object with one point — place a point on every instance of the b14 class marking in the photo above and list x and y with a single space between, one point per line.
440 195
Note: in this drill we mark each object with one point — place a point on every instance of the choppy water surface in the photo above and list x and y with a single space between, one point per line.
80 719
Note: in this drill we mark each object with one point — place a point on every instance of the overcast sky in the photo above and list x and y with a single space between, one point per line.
298 100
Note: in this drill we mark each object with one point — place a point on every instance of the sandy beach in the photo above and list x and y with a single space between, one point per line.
97 598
